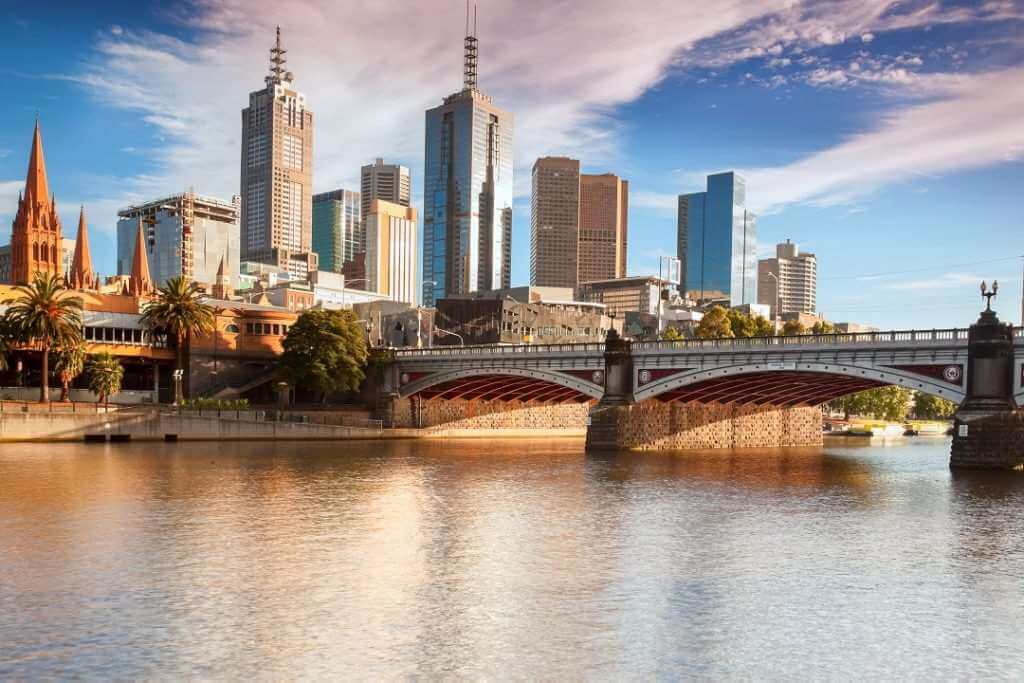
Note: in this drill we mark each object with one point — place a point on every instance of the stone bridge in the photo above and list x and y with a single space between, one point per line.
682 394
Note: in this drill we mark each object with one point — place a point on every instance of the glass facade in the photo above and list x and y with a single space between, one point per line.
717 242
467 198
338 231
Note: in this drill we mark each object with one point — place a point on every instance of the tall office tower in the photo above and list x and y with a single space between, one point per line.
717 242
389 182
183 235
788 283
391 250
604 208
578 224
36 234
467 195
277 173
338 231
555 222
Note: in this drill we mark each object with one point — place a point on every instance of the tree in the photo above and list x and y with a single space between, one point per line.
823 327
928 407
179 312
68 364
324 352
763 327
43 314
671 334
715 325
793 328
884 403
105 375
742 325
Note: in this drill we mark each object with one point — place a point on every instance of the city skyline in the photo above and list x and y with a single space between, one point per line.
854 180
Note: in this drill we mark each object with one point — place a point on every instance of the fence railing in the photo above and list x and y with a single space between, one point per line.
276 416
77 407
501 350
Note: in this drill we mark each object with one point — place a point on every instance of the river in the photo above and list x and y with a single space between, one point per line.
516 559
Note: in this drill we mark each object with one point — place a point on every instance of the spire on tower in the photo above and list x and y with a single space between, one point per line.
82 275
37 188
277 59
470 52
139 282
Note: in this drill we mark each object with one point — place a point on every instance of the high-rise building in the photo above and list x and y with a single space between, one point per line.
389 182
467 202
555 222
788 283
604 208
717 242
36 234
391 250
338 231
578 224
184 235
277 173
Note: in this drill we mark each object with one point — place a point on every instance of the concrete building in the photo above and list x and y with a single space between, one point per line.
717 243
390 182
640 294
788 283
338 231
578 225
468 190
391 251
333 291
277 173
185 235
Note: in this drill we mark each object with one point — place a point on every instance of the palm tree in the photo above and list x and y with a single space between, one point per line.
68 364
178 311
105 375
44 315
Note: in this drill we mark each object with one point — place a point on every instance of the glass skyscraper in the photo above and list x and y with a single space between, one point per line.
338 232
467 188
717 242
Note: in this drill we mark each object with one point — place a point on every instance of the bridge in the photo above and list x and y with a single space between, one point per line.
761 391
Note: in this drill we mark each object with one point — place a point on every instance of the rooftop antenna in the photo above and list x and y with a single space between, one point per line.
277 59
470 49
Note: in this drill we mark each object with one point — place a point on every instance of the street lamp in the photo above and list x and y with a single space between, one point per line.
462 342
778 299
177 375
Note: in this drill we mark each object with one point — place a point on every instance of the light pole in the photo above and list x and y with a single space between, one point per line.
778 299
178 374
462 342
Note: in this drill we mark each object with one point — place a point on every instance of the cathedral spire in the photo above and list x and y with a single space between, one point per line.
37 188
36 232
140 282
82 275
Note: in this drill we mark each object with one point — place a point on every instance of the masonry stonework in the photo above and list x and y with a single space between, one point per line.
654 425
476 414
990 442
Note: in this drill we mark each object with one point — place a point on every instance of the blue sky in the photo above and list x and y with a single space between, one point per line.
885 137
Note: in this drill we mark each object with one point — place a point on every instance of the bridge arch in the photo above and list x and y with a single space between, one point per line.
508 383
788 384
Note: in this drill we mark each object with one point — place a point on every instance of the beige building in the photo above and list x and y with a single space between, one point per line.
277 173
579 224
389 182
788 283
391 251
638 294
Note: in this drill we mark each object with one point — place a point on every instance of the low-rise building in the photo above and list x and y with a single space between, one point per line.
640 294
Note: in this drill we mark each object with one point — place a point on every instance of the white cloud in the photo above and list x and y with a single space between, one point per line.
653 200
9 190
969 121
946 281
867 37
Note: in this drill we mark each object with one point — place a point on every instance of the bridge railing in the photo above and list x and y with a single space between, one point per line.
838 338
501 350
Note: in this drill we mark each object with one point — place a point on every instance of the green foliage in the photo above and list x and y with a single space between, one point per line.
715 325
216 404
324 352
42 314
823 327
793 328
884 403
928 407
179 312
672 334
69 362
105 375
742 325
763 327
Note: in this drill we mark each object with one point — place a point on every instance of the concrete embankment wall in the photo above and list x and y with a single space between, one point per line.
154 426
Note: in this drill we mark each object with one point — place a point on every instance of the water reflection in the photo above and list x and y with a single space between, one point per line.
515 559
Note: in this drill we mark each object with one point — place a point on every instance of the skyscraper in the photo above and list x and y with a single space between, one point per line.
338 231
717 242
788 283
578 224
391 250
467 202
36 234
185 235
389 182
277 173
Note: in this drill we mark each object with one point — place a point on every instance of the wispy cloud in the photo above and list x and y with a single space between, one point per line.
945 281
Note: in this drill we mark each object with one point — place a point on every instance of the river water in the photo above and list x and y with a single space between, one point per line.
482 559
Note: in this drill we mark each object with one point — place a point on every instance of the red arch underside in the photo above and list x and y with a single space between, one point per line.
770 388
504 388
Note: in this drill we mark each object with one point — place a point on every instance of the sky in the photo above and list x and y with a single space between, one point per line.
885 137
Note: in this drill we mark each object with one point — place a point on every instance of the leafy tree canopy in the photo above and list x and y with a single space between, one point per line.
672 334
715 325
324 352
105 375
793 328
884 403
928 407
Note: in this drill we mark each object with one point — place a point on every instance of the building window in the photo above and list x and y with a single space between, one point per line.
292 152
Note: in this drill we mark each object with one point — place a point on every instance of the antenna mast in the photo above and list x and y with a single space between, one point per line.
470 51
277 59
